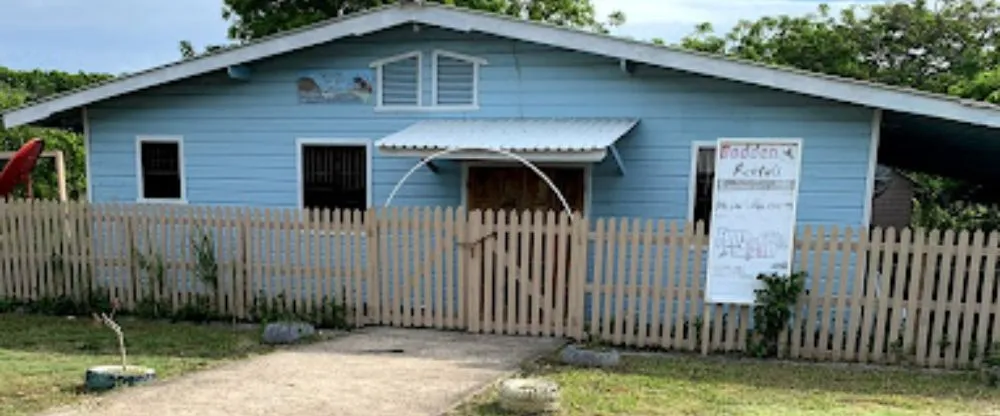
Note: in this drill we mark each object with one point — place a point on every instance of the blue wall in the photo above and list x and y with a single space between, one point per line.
239 137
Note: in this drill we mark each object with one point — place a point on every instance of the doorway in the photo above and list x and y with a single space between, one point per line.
520 284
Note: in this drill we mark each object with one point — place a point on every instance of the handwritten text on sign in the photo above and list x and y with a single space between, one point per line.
752 229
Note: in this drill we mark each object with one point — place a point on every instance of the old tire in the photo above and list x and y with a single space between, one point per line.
529 396
107 377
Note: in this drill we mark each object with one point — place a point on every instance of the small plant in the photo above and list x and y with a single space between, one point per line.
206 268
154 266
991 365
106 377
206 265
772 311
109 321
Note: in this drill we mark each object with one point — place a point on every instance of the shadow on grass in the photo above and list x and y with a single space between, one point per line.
718 372
84 336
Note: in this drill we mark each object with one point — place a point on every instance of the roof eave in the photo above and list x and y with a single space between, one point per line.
801 82
845 90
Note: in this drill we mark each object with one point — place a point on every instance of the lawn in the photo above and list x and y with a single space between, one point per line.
43 359
671 385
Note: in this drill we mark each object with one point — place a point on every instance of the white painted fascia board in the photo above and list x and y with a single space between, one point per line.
873 144
352 25
848 91
395 58
592 156
460 56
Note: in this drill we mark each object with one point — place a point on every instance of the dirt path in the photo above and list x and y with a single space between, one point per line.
342 377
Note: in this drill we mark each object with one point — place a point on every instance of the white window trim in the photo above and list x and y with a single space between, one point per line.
179 140
87 149
874 141
476 63
693 174
380 82
343 142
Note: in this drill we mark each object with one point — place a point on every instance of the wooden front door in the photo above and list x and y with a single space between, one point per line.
515 188
519 188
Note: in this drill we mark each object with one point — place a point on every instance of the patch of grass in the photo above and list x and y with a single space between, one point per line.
672 385
43 358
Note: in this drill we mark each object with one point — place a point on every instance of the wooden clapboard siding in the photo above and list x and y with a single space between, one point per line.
640 285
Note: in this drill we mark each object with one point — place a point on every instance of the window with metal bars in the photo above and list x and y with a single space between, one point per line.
704 185
334 176
160 171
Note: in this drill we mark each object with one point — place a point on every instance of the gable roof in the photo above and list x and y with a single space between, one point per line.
851 91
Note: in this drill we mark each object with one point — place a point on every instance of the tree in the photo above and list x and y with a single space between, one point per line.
19 87
902 43
949 47
253 19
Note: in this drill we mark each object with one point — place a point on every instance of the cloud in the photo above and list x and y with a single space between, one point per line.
107 36
673 19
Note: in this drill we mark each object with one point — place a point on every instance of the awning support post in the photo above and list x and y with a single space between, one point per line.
618 159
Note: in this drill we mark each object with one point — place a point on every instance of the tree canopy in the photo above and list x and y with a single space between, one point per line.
253 19
18 87
949 47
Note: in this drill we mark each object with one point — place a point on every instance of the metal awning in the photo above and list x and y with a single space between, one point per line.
535 139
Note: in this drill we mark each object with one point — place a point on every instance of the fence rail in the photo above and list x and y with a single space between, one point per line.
882 296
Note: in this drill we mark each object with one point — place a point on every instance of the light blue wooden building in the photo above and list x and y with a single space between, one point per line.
376 91
333 115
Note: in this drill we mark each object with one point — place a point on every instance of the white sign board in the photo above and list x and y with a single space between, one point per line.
752 229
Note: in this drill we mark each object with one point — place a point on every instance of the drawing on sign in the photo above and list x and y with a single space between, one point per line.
748 245
753 215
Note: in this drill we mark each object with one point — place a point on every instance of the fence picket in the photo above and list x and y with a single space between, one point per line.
987 305
548 294
438 266
621 259
472 254
941 298
826 312
607 284
839 327
646 286
673 243
913 294
899 284
658 243
683 277
357 276
697 295
511 273
457 234
524 274
927 299
966 353
954 292
884 278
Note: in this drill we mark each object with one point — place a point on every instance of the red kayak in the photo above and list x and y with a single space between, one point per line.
18 169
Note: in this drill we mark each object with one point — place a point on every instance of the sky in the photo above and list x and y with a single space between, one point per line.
128 35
